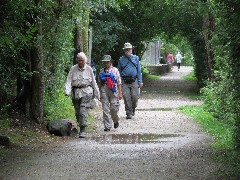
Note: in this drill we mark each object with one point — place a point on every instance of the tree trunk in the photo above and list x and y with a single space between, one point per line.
37 85
81 32
85 29
235 74
77 41
37 79
207 35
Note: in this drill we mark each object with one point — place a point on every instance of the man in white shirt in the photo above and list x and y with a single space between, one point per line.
81 84
178 58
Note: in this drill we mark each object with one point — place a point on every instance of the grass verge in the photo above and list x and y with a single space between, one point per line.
229 158
146 73
222 133
190 77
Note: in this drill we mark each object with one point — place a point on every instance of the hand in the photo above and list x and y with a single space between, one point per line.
119 96
140 85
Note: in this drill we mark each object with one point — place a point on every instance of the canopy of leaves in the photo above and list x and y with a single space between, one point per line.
210 27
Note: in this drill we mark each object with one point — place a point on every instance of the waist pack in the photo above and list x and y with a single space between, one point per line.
128 79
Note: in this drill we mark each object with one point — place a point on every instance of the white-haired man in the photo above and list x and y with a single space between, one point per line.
130 71
81 82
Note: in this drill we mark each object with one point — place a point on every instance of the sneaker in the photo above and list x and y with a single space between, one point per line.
133 113
129 116
82 135
106 129
116 125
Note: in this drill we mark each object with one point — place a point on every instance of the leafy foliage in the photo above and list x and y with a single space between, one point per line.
106 33
191 76
206 32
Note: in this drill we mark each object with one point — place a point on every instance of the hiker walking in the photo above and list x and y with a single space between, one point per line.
111 92
81 82
130 71
178 58
170 58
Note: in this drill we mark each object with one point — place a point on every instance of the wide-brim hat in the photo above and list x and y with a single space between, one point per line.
127 46
106 58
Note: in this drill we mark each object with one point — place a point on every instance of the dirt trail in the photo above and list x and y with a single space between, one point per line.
158 143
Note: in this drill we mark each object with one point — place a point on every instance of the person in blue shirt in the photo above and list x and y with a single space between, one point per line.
130 71
93 65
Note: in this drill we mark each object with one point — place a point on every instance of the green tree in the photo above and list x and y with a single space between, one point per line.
37 47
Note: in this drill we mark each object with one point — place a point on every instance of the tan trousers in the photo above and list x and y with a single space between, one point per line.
110 106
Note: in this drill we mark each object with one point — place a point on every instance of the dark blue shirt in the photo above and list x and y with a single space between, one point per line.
133 68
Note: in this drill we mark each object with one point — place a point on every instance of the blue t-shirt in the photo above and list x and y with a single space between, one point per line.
93 65
133 68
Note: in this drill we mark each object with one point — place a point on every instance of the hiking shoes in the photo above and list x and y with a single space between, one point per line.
106 129
116 125
129 116
133 112
82 135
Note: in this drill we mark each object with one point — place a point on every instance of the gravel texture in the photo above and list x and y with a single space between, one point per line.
158 143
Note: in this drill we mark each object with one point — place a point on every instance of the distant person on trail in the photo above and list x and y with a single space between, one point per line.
130 71
110 86
178 58
82 86
93 65
170 58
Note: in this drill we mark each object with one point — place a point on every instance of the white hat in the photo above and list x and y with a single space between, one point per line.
127 46
106 58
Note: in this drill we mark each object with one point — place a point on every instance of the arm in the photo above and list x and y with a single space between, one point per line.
96 92
68 84
120 92
139 73
99 82
119 85
99 85
119 66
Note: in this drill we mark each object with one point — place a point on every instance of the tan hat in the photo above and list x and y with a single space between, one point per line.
127 46
106 58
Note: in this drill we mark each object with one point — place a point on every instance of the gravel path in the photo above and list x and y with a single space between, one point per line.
158 143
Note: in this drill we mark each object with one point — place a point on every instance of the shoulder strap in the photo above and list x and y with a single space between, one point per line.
131 62
135 65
